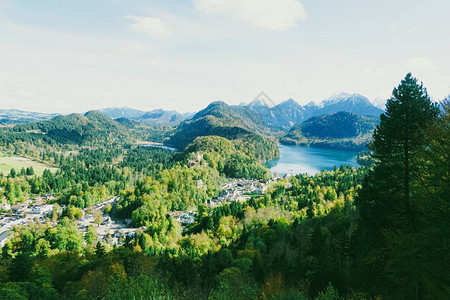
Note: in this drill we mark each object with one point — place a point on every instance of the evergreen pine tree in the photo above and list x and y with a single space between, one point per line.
388 202
100 250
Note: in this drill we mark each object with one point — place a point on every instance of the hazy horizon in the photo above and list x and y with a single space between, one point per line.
193 111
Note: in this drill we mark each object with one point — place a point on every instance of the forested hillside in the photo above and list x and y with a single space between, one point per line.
341 130
231 122
93 127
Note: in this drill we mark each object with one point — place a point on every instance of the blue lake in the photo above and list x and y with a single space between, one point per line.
311 160
160 146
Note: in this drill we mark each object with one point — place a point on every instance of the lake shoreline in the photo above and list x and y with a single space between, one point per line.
309 159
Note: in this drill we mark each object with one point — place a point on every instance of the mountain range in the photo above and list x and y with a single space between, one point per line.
15 116
154 117
289 113
343 121
282 116
257 123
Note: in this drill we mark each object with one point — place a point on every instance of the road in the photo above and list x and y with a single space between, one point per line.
5 229
103 229
3 237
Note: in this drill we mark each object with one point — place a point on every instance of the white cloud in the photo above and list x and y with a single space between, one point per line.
420 64
274 15
134 49
152 26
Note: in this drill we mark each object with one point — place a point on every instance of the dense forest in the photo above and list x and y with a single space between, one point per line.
231 122
341 130
380 231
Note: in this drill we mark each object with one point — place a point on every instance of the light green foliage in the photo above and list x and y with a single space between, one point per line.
91 235
66 236
233 158
17 163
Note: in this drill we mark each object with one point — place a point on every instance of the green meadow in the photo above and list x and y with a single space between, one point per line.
17 162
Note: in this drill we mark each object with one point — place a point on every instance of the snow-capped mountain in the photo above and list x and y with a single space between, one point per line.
379 102
289 113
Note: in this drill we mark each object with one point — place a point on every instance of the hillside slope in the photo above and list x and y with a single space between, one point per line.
341 130
93 127
230 122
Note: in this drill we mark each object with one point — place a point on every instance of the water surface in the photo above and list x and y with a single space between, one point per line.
311 160
160 146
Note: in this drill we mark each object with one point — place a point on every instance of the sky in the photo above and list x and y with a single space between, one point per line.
73 56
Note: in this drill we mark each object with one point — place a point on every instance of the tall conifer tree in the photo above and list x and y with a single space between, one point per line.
389 206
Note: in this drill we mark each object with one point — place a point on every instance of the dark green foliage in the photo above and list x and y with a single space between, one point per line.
365 158
100 250
393 245
230 122
150 160
93 127
341 130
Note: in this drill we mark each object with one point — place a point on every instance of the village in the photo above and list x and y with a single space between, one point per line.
239 190
38 210
233 190
114 232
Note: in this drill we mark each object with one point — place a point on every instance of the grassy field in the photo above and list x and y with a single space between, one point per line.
17 162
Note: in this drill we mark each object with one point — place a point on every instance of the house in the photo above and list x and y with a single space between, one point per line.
196 160
39 201
199 183
42 209
175 214
187 218
19 208
49 196
5 206
184 217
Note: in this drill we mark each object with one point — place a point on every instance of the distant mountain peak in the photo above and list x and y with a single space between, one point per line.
379 102
290 102
257 103
311 104
355 103
16 116
336 98
156 116
261 100
217 104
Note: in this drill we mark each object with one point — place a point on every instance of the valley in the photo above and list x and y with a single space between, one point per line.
224 149
241 197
